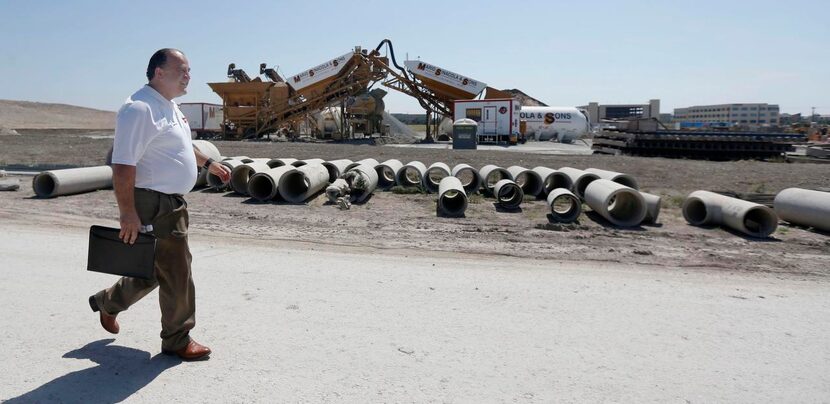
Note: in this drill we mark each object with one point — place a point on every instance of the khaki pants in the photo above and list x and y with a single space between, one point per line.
177 298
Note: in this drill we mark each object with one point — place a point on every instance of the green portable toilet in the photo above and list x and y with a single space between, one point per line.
464 134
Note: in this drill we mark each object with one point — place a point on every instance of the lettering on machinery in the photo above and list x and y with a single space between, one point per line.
438 72
541 116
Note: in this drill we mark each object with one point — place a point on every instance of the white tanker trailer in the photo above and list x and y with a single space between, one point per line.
562 124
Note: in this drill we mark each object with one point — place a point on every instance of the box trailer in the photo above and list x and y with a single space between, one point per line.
498 119
205 119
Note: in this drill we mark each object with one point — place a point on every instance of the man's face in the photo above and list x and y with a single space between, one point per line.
174 76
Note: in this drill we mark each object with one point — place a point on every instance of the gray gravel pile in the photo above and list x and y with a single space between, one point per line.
399 132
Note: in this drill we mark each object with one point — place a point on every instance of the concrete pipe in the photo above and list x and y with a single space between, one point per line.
452 199
709 208
804 207
264 186
435 172
565 207
363 180
243 159
530 182
619 204
338 188
240 175
580 180
491 174
370 162
69 181
469 177
509 195
652 207
301 183
300 163
552 179
387 172
411 175
215 182
336 168
274 163
619 178
208 149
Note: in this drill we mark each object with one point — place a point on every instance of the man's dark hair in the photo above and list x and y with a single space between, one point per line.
159 59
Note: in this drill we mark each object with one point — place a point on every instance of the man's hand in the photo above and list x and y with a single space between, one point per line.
130 227
221 171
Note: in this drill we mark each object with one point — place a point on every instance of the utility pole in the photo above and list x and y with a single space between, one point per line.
813 114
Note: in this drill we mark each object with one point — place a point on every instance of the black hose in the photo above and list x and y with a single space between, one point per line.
392 53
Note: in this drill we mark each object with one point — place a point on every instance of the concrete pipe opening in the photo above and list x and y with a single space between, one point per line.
387 173
583 182
492 175
300 163
412 174
44 184
295 184
435 173
620 205
695 212
760 222
626 209
336 168
274 163
557 180
564 206
469 177
453 203
370 162
240 175
262 187
509 195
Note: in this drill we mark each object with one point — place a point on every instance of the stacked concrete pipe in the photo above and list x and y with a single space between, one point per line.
617 203
301 183
552 179
210 150
435 173
804 207
565 207
619 178
240 175
452 199
243 159
264 186
274 163
69 181
492 174
387 173
580 179
215 182
362 180
708 208
652 207
411 175
529 180
336 168
509 195
370 162
469 176
300 163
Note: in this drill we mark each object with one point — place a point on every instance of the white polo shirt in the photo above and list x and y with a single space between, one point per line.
152 134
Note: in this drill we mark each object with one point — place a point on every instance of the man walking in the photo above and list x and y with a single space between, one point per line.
154 163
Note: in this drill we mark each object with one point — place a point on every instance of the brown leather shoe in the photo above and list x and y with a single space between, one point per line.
107 321
193 351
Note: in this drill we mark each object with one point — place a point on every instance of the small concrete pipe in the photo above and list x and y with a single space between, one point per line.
565 207
619 204
208 149
469 177
804 207
363 180
264 186
301 183
300 163
709 208
411 175
387 173
552 179
435 172
509 195
240 175
53 183
652 207
274 163
491 174
580 179
452 199
530 181
336 168
619 178
371 162
215 182
337 189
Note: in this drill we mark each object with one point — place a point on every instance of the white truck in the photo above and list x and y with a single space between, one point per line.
205 119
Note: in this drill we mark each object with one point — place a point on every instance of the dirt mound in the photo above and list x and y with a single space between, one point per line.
7 132
525 99
39 115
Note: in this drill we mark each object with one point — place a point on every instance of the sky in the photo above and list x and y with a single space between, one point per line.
95 53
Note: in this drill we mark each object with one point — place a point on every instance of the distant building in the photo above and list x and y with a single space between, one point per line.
599 112
756 114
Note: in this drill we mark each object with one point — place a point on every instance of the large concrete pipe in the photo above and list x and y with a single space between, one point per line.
652 207
336 168
387 172
215 182
509 195
411 175
264 186
274 163
435 172
362 179
210 150
243 159
452 199
619 204
804 207
530 181
240 175
709 208
300 183
619 178
565 207
580 179
370 161
69 181
338 189
300 163
491 174
552 179
469 176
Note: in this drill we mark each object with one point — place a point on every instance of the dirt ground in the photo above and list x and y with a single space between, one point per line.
409 221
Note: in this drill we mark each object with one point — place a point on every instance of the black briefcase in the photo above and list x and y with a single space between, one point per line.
110 255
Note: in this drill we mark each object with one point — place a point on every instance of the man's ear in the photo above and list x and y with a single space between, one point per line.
159 71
